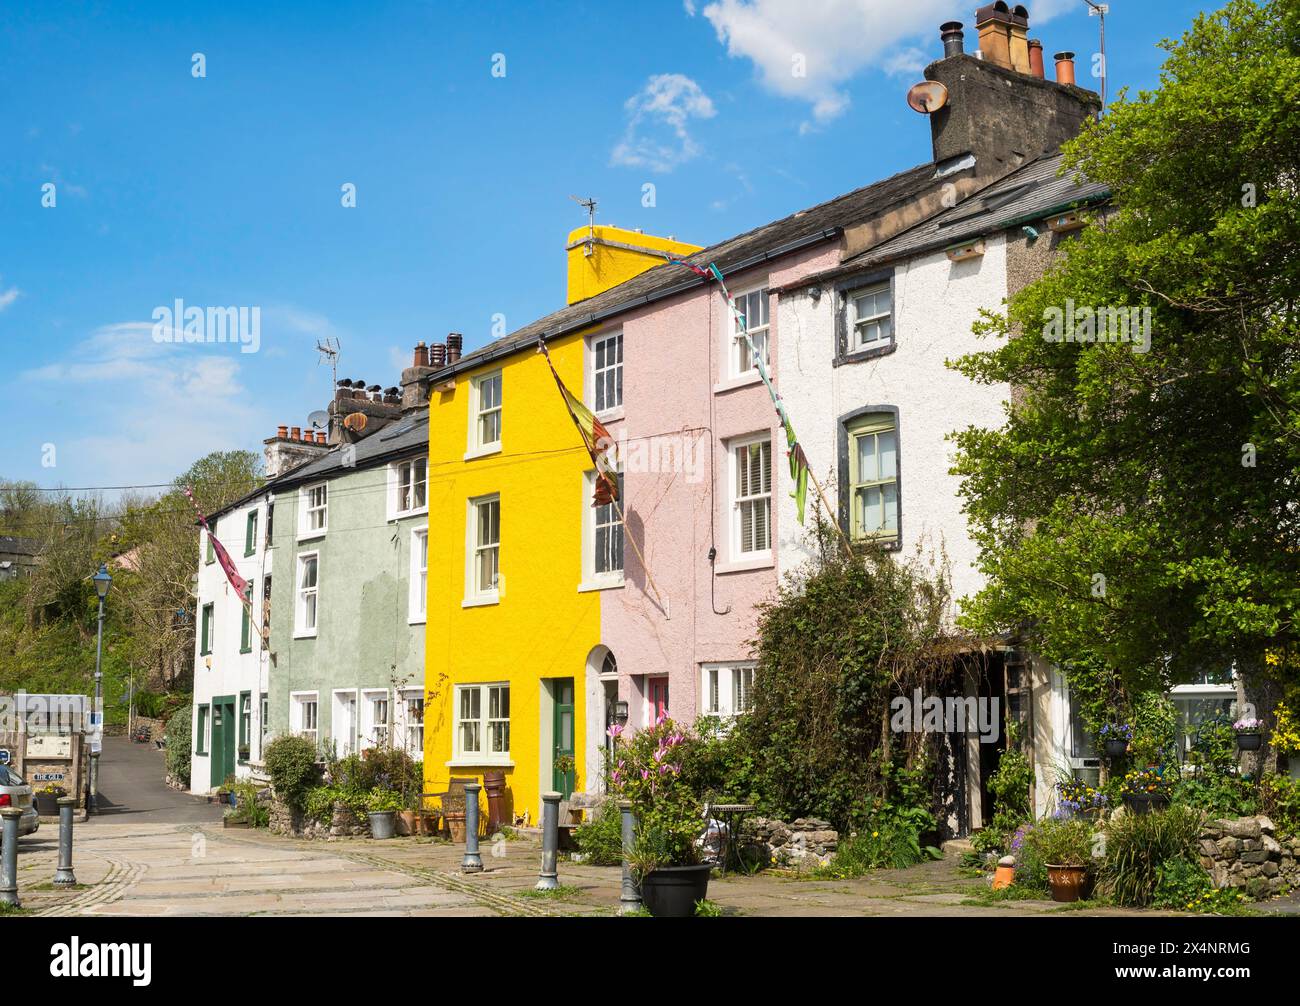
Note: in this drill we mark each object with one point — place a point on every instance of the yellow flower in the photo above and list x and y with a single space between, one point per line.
875 834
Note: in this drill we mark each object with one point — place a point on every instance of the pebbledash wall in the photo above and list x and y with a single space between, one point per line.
935 304
683 399
231 665
368 642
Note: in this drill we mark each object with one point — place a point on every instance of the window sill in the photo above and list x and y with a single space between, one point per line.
403 514
249 555
601 583
488 760
764 561
311 535
302 634
482 452
862 355
243 651
613 415
480 602
416 619
732 383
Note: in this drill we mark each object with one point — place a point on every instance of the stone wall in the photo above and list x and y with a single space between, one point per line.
803 843
1246 853
344 823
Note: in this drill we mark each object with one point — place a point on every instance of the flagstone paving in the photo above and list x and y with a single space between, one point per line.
155 852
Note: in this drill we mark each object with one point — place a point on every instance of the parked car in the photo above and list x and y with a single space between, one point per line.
14 792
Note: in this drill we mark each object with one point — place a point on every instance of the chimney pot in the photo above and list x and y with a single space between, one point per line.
1064 68
454 342
951 34
1036 58
320 436
437 356
281 432
421 354
295 432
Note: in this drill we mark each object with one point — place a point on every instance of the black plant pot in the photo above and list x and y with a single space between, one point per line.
1145 803
671 891
1116 747
47 804
1250 742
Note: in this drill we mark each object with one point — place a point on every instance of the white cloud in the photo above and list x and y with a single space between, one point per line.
656 136
832 41
165 405
7 297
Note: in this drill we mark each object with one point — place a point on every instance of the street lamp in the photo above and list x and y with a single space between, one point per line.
102 582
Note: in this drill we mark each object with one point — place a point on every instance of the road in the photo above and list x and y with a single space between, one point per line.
131 787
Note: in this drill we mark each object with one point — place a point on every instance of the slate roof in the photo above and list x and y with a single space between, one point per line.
822 222
1030 193
407 435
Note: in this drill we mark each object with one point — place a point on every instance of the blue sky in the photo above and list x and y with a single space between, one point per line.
225 189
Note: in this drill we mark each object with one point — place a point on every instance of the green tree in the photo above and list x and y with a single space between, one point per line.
1136 514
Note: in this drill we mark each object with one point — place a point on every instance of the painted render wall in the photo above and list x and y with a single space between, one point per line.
365 637
935 304
227 671
678 397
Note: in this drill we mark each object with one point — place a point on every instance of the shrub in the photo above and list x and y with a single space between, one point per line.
180 738
1062 841
291 762
1187 887
390 769
1139 845
1031 868
1280 797
648 771
247 807
601 840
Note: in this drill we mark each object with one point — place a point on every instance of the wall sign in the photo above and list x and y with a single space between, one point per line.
4 756
47 777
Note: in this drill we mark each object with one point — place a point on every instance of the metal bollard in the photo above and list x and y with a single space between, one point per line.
630 898
548 879
63 876
473 862
92 802
9 857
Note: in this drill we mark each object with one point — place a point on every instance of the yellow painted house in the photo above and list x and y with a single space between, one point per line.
508 635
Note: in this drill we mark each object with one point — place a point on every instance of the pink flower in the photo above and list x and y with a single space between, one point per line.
615 730
663 715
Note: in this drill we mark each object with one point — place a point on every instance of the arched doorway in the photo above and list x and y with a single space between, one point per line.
602 693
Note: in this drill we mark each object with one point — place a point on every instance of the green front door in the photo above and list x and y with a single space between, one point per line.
225 738
563 768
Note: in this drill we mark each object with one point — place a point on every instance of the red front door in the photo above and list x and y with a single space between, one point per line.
658 699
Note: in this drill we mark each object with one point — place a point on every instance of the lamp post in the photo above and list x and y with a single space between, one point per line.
102 582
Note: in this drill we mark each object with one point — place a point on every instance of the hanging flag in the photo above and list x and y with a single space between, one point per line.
223 557
594 437
794 450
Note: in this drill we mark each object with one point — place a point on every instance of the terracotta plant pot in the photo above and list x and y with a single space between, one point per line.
406 822
1067 882
1250 742
424 824
456 825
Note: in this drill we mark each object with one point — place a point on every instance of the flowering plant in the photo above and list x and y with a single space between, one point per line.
1116 732
1076 797
1248 725
648 772
1147 782
1286 730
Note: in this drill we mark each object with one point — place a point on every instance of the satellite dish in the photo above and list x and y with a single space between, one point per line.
927 97
356 422
319 419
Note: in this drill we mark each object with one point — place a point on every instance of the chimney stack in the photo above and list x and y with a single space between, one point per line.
1064 68
952 35
1036 58
421 355
454 341
1003 34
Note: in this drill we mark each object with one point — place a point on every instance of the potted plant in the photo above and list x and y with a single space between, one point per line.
1115 738
47 799
1249 733
1075 798
1065 846
406 816
1146 789
665 856
381 807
